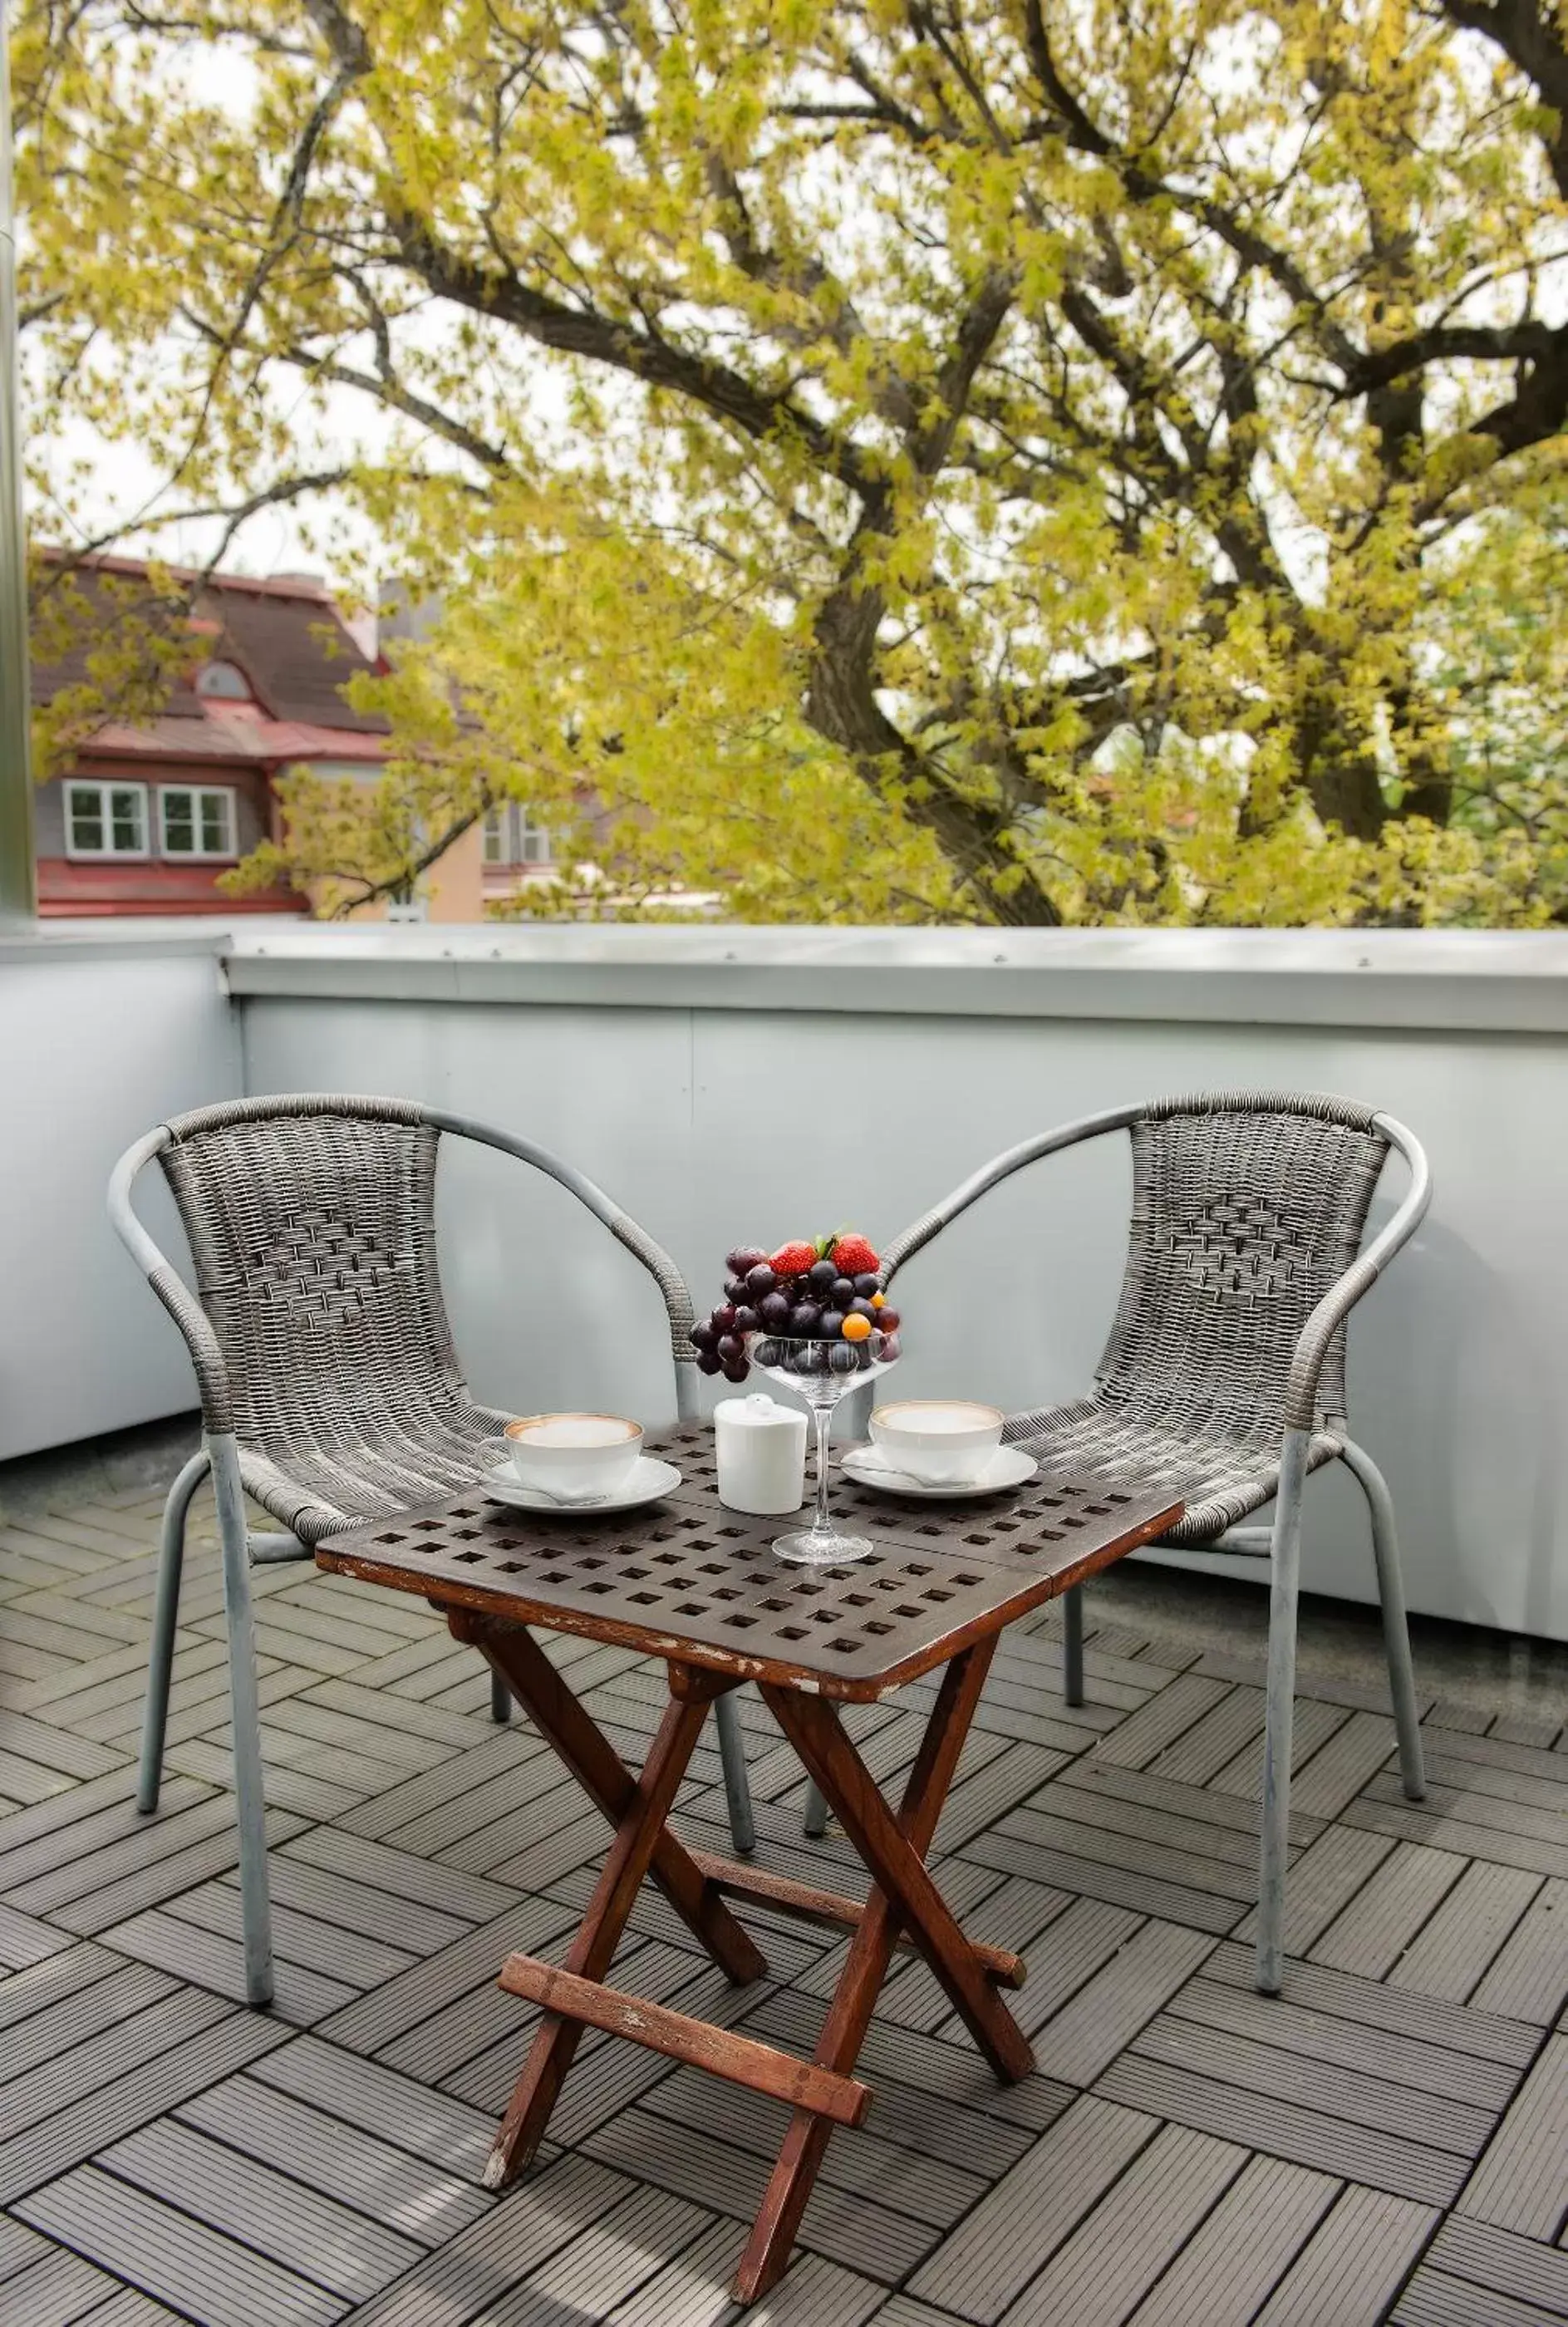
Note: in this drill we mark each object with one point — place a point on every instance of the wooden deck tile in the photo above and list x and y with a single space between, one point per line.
1099 2277
1529 1980
1521 2184
1372 1932
174 2258
1222 2276
322 2241
988 2261
1353 2265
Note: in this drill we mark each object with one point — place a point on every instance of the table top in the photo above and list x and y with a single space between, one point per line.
686 1579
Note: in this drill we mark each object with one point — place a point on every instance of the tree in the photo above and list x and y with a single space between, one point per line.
1038 456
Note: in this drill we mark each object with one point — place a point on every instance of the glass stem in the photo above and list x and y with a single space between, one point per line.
823 1417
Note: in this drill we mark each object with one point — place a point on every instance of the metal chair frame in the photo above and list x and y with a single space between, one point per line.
1308 1440
225 1455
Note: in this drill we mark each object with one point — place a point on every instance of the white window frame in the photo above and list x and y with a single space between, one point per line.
109 853
511 824
196 793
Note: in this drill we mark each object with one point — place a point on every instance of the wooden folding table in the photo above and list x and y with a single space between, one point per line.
696 1586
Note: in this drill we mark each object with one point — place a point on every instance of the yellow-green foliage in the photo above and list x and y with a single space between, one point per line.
993 460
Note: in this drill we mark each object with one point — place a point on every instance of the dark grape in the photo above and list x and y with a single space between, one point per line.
744 1256
707 1363
821 1274
891 1350
812 1358
830 1325
767 1353
887 1319
863 1356
730 1349
759 1280
843 1292
723 1320
805 1317
774 1311
843 1357
737 1371
746 1320
736 1288
862 1309
702 1337
867 1285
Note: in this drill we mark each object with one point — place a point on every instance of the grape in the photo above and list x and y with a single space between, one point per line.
805 1317
862 1309
703 1337
767 1353
738 1371
812 1358
821 1275
723 1320
830 1325
843 1292
707 1363
774 1311
746 1320
843 1357
745 1257
887 1319
730 1350
867 1285
863 1357
736 1288
759 1280
891 1350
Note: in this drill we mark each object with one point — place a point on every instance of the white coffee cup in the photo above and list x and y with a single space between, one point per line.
573 1453
944 1442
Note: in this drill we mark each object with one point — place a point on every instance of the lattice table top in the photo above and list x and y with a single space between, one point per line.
686 1579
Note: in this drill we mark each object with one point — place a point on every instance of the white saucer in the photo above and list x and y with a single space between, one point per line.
1010 1466
649 1479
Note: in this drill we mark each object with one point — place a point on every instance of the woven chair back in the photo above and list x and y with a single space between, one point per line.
1245 1210
313 1236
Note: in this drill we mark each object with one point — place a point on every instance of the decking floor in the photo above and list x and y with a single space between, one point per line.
1389 2141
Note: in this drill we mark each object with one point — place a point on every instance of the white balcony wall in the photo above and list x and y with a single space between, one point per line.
730 1085
100 1038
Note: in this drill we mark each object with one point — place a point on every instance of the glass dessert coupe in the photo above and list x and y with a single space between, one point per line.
821 1373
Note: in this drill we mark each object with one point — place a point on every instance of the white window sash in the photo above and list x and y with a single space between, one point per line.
104 798
196 796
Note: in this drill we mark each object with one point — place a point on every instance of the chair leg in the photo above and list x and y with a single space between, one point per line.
165 1616
1280 1710
1072 1645
250 1804
737 1785
500 1699
1396 1630
816 1819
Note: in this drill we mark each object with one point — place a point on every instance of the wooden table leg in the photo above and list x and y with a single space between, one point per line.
773 2233
631 1852
599 1770
814 1730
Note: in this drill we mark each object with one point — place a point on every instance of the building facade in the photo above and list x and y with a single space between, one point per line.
152 808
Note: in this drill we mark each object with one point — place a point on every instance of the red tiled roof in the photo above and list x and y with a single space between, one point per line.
285 635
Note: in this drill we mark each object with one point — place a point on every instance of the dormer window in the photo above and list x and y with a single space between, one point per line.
223 682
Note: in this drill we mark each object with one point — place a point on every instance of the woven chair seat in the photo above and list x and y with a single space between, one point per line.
327 1488
1220 1479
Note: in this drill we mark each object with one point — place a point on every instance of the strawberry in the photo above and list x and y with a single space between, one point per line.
793 1259
853 1256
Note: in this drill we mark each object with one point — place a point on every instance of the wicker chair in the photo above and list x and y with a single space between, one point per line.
330 1391
1224 1377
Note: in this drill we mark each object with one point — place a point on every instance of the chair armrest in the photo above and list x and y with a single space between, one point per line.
1318 1332
182 1303
1001 1167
